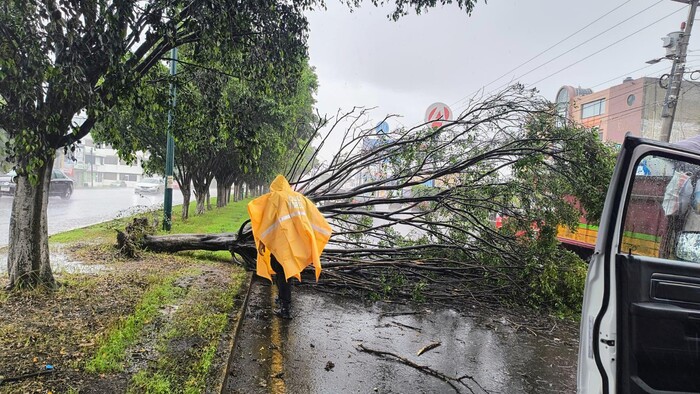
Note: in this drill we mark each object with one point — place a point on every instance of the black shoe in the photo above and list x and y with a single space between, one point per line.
284 312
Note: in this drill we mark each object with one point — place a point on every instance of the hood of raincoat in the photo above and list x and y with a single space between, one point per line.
280 184
291 227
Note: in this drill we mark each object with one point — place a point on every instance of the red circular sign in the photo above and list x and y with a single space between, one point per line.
437 114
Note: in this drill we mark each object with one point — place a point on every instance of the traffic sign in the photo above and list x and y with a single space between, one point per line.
437 114
382 128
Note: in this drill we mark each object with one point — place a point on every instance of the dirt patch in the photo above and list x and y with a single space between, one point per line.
65 328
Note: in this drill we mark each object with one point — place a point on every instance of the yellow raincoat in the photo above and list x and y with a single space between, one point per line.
291 227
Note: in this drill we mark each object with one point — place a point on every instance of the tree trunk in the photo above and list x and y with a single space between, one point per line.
220 195
200 197
185 201
178 242
208 200
28 262
240 245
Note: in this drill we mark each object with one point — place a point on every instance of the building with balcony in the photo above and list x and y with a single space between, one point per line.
98 166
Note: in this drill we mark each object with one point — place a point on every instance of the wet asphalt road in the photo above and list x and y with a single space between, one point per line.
86 207
318 351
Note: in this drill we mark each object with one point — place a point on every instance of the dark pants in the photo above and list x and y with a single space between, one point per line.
284 288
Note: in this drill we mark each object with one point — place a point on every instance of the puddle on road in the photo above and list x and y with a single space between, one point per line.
320 350
60 262
488 348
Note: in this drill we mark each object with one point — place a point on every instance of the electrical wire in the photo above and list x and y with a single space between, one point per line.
630 111
550 48
623 75
604 48
691 64
581 44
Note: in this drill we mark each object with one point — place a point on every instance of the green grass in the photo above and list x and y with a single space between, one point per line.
95 232
202 315
110 355
205 255
144 382
218 220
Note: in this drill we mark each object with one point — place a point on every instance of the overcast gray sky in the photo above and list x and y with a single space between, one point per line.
364 59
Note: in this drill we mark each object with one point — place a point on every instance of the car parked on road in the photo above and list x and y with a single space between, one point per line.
61 185
150 185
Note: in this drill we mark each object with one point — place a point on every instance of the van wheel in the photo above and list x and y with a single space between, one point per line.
67 193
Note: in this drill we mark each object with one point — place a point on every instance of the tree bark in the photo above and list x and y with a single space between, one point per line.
220 195
178 242
200 196
28 260
185 201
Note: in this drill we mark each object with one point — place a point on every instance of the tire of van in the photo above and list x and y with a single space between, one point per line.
67 193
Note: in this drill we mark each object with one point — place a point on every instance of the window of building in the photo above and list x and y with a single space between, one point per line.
110 176
630 99
562 107
594 108
111 160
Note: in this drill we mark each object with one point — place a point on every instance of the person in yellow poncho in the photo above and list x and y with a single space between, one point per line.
290 234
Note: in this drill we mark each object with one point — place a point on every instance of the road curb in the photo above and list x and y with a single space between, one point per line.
236 330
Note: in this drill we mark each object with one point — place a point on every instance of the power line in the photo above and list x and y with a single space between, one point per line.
622 114
583 43
623 75
604 48
550 48
615 115
694 63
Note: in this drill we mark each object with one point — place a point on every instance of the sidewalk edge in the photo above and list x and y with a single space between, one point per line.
234 338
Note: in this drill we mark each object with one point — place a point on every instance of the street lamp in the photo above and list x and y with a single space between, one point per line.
654 61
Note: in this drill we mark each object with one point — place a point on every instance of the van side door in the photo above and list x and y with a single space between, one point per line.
640 326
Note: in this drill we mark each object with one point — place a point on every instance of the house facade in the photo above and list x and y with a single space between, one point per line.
633 106
99 165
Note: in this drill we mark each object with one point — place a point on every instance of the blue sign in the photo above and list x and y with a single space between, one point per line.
382 128
643 169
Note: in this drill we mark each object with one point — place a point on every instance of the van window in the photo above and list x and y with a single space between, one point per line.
661 206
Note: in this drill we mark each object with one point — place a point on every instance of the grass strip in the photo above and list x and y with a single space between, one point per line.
218 220
111 354
201 319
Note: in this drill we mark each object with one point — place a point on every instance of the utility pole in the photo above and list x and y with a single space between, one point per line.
170 149
677 69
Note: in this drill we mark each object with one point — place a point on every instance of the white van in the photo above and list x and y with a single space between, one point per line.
640 324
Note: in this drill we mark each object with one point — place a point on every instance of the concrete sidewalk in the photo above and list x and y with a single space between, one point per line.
319 350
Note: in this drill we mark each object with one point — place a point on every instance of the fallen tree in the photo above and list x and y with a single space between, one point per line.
413 211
